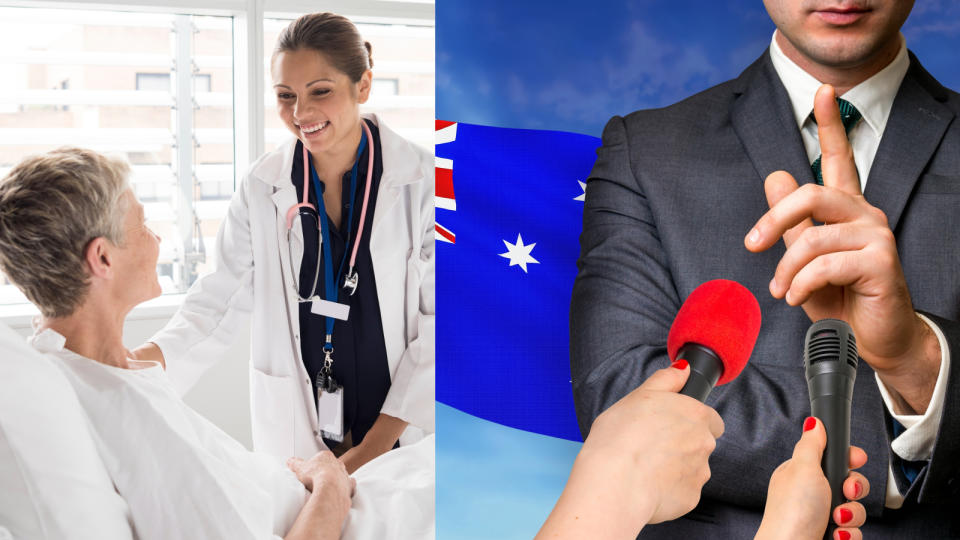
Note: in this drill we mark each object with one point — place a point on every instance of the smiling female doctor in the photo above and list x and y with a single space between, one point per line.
340 286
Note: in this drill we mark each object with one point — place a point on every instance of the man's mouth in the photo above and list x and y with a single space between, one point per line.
842 15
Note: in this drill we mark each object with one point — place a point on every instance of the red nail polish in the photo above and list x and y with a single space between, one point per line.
845 515
679 364
843 535
857 490
809 423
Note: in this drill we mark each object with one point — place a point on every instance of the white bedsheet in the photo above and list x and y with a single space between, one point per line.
395 495
183 477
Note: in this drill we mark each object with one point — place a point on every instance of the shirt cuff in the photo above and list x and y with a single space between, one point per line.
916 442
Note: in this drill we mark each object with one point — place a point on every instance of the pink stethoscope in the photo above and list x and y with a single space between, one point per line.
351 279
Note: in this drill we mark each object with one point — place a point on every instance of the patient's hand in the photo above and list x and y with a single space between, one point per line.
325 472
323 515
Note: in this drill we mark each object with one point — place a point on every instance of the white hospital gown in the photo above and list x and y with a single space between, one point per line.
183 477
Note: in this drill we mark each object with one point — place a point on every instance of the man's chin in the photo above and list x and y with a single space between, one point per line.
845 51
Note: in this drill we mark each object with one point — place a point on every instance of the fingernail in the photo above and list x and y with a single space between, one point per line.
754 236
845 515
679 364
857 490
843 535
773 284
809 423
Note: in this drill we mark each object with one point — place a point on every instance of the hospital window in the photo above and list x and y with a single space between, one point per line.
153 88
385 87
161 81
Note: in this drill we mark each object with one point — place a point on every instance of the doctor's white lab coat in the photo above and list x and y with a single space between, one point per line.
253 276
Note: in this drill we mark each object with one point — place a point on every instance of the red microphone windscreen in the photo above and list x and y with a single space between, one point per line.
723 316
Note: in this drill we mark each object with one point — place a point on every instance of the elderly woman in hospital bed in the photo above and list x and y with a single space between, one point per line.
74 240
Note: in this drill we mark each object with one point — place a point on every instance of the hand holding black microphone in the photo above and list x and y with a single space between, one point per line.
799 497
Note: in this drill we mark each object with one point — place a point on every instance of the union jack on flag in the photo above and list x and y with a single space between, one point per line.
445 199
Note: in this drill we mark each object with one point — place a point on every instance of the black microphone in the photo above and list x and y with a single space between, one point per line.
830 358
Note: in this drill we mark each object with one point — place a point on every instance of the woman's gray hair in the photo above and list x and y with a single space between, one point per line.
51 207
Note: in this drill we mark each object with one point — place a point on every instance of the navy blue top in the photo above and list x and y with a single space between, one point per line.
360 355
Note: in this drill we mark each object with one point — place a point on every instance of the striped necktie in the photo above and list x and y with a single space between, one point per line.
849 115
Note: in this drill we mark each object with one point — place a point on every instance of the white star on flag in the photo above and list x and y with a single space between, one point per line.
519 254
582 196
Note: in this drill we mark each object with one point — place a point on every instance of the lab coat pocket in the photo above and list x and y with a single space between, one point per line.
274 412
415 268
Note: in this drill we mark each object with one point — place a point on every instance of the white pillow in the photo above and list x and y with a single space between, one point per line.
53 483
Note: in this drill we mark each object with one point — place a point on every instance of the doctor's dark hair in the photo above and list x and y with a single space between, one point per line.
333 36
51 207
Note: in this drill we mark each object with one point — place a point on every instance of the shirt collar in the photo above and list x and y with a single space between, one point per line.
873 97
47 340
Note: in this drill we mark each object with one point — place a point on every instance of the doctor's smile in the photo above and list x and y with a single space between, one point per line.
312 129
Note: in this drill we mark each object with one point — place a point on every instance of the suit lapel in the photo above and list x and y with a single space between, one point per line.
762 117
917 123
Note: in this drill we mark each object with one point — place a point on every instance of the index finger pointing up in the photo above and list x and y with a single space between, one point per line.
839 170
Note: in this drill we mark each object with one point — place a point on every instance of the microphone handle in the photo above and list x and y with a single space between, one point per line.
830 402
705 370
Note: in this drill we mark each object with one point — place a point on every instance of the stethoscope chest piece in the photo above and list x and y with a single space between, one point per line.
350 281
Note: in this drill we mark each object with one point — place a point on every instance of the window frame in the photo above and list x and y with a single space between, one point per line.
248 81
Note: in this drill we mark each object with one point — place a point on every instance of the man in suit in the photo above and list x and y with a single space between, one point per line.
708 188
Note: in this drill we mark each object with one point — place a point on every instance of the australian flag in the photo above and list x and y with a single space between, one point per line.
509 215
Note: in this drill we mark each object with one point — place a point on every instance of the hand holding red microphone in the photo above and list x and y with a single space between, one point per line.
645 461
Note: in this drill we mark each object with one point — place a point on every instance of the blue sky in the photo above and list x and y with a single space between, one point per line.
569 66
495 481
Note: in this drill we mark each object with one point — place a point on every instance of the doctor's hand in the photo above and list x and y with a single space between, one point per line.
644 461
848 268
798 500
379 440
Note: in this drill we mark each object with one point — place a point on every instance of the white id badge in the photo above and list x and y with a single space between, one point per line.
330 414
326 308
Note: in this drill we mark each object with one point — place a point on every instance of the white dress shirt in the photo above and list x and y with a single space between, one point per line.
874 99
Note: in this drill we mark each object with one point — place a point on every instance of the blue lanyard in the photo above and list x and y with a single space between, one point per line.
329 284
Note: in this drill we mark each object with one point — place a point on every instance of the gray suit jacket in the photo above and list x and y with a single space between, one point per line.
669 201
